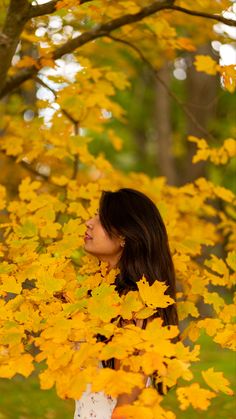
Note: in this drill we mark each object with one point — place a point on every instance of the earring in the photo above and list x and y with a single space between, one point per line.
122 243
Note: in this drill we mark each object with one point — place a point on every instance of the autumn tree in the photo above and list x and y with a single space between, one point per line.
50 290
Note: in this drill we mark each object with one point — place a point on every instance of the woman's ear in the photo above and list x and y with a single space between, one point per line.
122 241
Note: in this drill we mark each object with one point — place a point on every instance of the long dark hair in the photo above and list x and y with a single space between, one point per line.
132 215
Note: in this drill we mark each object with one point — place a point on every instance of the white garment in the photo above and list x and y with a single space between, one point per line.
94 405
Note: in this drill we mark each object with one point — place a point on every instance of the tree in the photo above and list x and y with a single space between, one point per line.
46 305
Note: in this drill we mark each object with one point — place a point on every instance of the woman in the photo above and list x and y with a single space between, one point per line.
128 232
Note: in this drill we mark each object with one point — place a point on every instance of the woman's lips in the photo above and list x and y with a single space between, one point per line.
87 237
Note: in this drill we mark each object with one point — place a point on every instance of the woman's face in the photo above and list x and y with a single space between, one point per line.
100 244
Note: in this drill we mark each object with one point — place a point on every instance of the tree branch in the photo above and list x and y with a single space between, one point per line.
74 121
103 30
170 93
97 32
17 16
47 8
28 167
19 12
43 9
222 19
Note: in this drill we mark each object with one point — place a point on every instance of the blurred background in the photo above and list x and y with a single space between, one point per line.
162 106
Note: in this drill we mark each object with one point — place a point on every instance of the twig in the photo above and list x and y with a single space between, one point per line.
29 168
156 75
47 8
222 19
64 111
74 121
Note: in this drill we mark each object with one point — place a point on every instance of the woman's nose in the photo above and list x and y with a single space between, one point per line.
89 223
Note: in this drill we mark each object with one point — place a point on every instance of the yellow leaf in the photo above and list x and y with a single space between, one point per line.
223 193
231 260
27 189
185 308
60 180
227 313
175 369
210 325
46 380
230 146
214 299
110 306
186 43
194 396
13 145
27 61
154 295
132 412
149 396
2 197
78 209
206 64
131 303
115 382
227 337
218 266
192 331
50 230
10 284
25 365
144 313
115 140
217 381
228 73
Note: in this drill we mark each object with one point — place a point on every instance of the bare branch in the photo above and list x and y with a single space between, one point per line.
47 8
170 93
222 19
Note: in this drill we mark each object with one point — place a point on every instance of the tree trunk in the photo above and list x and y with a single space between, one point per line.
163 128
201 95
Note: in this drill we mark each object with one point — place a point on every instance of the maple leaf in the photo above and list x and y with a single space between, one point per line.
115 382
110 306
11 285
133 412
217 381
206 63
131 303
194 395
154 295
27 189
231 260
227 337
211 325
185 308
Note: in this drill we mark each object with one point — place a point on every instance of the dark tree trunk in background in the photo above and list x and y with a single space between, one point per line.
139 127
163 127
201 95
